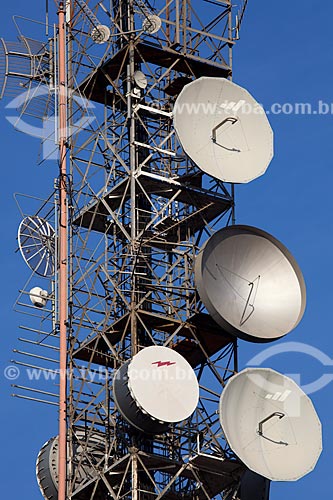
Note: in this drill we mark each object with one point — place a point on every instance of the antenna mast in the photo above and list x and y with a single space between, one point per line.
63 251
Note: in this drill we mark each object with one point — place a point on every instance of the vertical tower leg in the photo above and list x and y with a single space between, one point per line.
63 271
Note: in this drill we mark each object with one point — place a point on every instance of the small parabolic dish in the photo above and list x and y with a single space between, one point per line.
270 424
223 129
36 241
101 34
38 296
156 388
250 284
152 24
140 79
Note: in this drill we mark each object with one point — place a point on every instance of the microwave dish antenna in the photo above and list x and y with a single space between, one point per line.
270 424
250 283
140 79
85 443
156 388
151 24
38 297
223 129
100 32
36 239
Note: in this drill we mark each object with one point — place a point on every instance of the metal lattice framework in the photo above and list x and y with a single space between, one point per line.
138 212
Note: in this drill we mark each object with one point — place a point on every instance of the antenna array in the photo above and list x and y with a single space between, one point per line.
150 131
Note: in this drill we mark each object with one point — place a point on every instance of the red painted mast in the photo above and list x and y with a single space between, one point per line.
63 250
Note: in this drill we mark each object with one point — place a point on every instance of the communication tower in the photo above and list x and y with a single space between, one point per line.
133 279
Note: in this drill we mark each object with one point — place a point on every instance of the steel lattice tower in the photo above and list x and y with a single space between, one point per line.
138 210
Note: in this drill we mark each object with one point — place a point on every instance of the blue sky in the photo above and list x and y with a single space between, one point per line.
284 56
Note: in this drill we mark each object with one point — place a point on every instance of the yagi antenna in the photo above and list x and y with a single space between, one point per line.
240 17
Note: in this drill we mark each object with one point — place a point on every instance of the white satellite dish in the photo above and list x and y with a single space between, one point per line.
250 284
100 34
156 388
38 296
270 424
152 24
223 130
140 79
36 241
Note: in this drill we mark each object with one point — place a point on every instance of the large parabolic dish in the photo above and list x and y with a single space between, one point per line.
223 129
250 283
270 424
156 388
